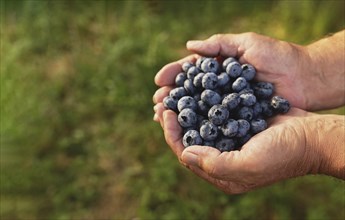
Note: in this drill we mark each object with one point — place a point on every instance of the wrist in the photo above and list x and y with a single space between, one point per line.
325 138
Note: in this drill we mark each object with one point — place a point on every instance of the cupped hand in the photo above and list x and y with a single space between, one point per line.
279 152
286 65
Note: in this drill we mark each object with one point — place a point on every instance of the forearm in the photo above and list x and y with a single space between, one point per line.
328 68
326 139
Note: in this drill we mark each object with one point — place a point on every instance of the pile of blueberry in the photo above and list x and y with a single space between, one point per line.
219 104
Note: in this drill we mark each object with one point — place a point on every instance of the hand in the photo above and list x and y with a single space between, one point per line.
295 144
284 64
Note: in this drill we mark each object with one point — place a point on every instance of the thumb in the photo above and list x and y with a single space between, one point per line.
212 161
219 44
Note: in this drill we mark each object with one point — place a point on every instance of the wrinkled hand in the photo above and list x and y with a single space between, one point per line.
279 152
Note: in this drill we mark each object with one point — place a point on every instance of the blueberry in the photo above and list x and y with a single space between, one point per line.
226 144
187 102
231 101
209 65
266 107
257 109
189 87
248 99
244 139
223 79
202 107
230 128
218 114
246 113
191 137
187 118
246 90
239 84
248 72
177 93
263 90
234 69
209 131
227 61
180 78
210 80
280 104
204 121
170 103
186 66
197 97
243 128
208 143
199 61
210 97
258 125
197 81
192 72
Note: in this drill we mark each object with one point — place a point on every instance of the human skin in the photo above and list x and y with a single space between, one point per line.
295 144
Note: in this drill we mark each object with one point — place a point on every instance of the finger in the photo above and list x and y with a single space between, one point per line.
159 109
166 76
219 44
173 132
161 93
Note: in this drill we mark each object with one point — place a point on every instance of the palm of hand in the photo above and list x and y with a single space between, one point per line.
275 154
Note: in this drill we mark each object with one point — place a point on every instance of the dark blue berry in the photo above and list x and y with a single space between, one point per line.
187 118
199 62
210 97
187 102
225 144
210 80
266 107
230 128
197 82
186 66
180 78
246 113
192 72
189 86
218 114
263 90
280 104
223 79
170 103
248 72
258 125
177 93
239 84
248 99
227 61
243 128
231 101
203 108
209 131
234 69
191 137
209 65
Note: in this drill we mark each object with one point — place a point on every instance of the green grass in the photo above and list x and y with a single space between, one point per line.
77 136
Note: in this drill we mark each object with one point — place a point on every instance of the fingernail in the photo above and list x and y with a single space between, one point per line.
191 158
194 43
155 117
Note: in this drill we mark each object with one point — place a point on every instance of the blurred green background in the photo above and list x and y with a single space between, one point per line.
77 136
